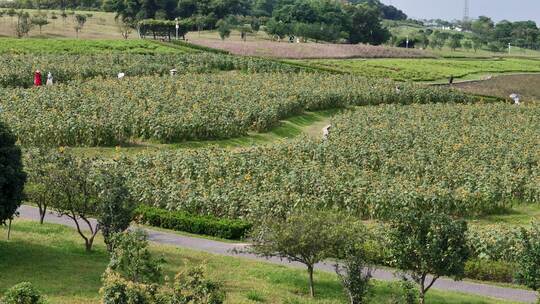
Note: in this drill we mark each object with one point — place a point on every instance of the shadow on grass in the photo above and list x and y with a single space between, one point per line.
57 266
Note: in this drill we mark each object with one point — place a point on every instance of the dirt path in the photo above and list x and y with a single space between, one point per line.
229 249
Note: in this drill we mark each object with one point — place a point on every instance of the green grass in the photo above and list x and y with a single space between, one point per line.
520 215
76 46
427 70
53 259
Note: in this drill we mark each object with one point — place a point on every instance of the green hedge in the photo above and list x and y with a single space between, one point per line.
486 270
181 221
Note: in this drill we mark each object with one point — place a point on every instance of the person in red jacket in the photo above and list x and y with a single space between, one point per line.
37 78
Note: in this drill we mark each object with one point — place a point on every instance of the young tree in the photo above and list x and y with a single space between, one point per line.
40 21
74 194
305 237
224 29
125 27
529 259
80 20
477 43
12 176
40 163
354 265
24 25
132 259
455 41
244 30
467 45
115 204
424 243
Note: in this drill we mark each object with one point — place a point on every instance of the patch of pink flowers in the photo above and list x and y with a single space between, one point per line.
309 50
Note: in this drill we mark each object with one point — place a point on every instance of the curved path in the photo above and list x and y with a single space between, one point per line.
238 250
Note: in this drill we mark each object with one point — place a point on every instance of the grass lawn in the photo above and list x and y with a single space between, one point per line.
426 70
85 46
53 259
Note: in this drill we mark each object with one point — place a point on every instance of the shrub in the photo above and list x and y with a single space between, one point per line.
485 270
180 221
192 287
117 290
22 293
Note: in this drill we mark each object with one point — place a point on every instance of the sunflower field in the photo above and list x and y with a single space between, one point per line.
464 159
106 112
16 70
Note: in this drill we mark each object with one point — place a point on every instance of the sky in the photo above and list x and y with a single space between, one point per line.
453 9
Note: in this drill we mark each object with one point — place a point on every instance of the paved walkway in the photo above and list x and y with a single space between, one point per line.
230 249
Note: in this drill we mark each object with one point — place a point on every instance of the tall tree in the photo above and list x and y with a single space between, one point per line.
366 26
12 176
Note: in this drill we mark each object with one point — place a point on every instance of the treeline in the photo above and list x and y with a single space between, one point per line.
481 33
497 36
356 21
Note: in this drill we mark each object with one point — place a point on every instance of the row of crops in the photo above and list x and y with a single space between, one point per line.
463 159
169 109
17 70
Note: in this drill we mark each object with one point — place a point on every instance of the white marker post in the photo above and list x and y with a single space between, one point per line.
177 27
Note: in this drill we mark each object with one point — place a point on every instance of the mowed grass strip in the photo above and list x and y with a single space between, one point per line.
52 257
427 70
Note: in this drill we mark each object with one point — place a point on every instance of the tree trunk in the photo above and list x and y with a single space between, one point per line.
88 244
9 230
422 299
311 287
42 213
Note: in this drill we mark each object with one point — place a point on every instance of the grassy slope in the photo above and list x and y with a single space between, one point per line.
426 69
52 257
100 26
80 46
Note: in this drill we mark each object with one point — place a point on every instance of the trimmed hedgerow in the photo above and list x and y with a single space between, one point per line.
181 221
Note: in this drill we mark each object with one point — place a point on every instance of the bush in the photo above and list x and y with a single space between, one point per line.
486 270
22 293
192 287
117 290
180 221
